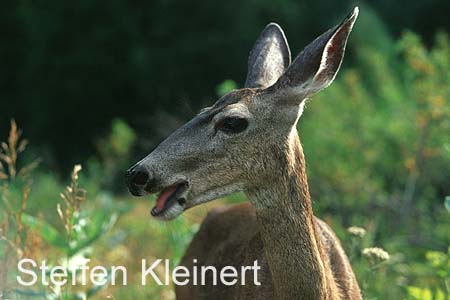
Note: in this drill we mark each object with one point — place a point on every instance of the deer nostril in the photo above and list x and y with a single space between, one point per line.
140 178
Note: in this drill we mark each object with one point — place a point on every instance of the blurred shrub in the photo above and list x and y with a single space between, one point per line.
15 186
225 87
30 235
375 143
108 167
439 266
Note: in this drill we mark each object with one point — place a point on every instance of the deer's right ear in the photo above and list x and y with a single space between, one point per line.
317 65
269 58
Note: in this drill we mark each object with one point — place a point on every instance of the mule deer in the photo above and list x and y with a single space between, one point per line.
247 141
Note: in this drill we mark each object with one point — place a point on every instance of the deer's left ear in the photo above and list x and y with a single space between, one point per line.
269 58
317 65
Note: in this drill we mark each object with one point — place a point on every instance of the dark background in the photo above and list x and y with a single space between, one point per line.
67 68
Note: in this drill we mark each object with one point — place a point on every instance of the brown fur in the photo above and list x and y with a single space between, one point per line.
281 239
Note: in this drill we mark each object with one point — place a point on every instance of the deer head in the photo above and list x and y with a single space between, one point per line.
233 145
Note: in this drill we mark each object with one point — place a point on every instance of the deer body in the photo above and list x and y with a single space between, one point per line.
248 141
299 255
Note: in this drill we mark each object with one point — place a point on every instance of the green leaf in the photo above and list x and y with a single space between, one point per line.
97 288
98 225
417 293
225 87
31 293
47 231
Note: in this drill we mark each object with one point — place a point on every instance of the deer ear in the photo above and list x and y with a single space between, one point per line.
317 65
269 58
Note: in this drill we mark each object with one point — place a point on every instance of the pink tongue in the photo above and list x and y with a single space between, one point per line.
162 198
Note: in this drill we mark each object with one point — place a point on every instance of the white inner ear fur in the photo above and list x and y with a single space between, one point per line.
324 62
301 108
317 84
273 63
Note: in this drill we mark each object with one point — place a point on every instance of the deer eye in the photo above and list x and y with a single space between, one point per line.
232 125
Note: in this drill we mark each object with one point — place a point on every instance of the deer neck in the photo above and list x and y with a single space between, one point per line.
292 245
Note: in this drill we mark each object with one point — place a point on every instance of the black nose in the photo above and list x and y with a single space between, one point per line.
137 179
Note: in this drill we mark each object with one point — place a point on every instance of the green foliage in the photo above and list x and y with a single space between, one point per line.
82 229
48 233
114 151
118 143
68 244
439 265
447 203
416 293
225 87
376 143
87 231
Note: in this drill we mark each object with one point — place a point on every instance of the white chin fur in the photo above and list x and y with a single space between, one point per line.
176 209
216 193
171 213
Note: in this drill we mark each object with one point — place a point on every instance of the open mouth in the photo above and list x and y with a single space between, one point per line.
170 196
